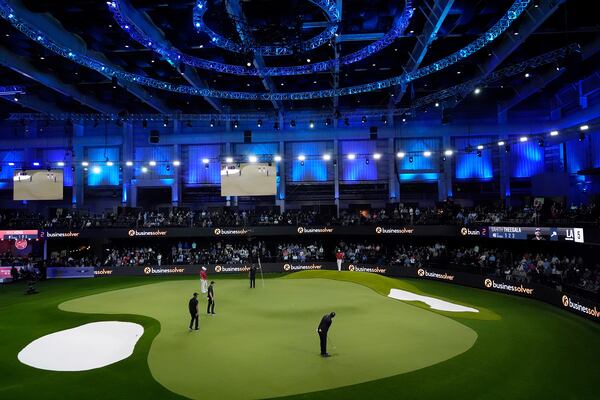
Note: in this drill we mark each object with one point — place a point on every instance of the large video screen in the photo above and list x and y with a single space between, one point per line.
250 179
38 184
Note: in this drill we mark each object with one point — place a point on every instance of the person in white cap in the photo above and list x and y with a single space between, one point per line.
203 281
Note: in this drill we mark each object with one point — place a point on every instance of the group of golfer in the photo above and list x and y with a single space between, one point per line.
193 306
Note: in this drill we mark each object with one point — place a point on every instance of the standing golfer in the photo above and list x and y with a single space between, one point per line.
252 276
193 307
322 331
203 281
339 257
210 308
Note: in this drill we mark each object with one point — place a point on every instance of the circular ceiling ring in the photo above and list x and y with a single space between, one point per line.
174 56
8 13
329 7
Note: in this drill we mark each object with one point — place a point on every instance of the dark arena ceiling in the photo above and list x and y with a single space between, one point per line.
53 83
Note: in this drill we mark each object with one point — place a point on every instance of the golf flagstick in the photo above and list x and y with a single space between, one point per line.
261 273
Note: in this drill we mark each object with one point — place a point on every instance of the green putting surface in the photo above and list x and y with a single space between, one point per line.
524 349
263 342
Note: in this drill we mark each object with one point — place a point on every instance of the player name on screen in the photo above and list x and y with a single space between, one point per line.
540 233
38 184
248 179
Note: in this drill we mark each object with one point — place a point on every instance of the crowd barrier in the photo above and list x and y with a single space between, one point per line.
569 302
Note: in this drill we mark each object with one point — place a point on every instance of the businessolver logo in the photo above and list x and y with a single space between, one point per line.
218 268
378 230
491 284
488 283
421 272
351 267
570 303
217 232
131 232
287 267
300 230
147 270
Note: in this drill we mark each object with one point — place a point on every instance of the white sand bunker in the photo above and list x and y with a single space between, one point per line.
85 347
432 302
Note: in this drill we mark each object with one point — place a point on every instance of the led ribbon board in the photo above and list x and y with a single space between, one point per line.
175 56
517 8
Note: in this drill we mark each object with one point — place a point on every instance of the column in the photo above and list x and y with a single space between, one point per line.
445 177
176 185
504 173
280 199
79 156
393 185
127 174
336 175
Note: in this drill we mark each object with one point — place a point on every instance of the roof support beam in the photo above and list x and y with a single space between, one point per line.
53 28
24 67
234 8
34 103
144 23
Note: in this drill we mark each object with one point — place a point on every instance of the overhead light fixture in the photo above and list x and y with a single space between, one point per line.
301 157
437 104
554 133
96 170
152 163
448 152
144 170
259 123
166 122
229 160
584 127
326 157
377 156
351 156
523 139
363 119
36 164
501 143
252 159
60 164
384 119
527 75
477 91
480 147
277 158
235 123
212 123
11 164
85 163
400 154
311 124
427 153
176 163
205 161
129 163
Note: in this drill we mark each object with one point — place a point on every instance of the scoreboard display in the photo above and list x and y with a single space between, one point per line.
536 234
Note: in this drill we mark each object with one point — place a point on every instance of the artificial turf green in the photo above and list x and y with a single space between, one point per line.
263 343
525 349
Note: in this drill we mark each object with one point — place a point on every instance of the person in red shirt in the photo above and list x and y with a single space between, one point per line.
203 281
339 256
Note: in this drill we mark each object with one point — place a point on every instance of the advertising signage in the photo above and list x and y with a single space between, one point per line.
538 234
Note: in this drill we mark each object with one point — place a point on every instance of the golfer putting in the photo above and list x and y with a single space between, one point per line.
322 330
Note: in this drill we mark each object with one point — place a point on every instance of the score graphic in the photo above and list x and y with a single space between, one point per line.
537 234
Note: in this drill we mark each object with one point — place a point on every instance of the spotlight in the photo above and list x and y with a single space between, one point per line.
507 148
326 157
523 139
205 161
554 133
277 158
293 123
11 164
437 104
351 156
501 143
276 125
144 170
478 153
212 123
346 121
60 164
411 159
129 163
17 97
377 156
301 157
96 170
384 120
248 64
152 163
235 123
427 153
367 161
85 163
327 121
541 142
477 91
252 159
527 75
581 136
109 164
448 153
400 154
176 163
480 147
166 122
584 127
311 124
36 164
259 123
229 160
363 119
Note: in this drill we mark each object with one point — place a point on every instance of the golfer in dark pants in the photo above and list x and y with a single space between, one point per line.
210 308
252 275
193 306
322 331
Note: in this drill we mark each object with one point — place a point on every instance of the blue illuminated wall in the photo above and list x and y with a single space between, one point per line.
163 155
595 150
358 170
577 155
526 159
15 156
420 162
314 168
108 176
470 166
196 171
52 156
